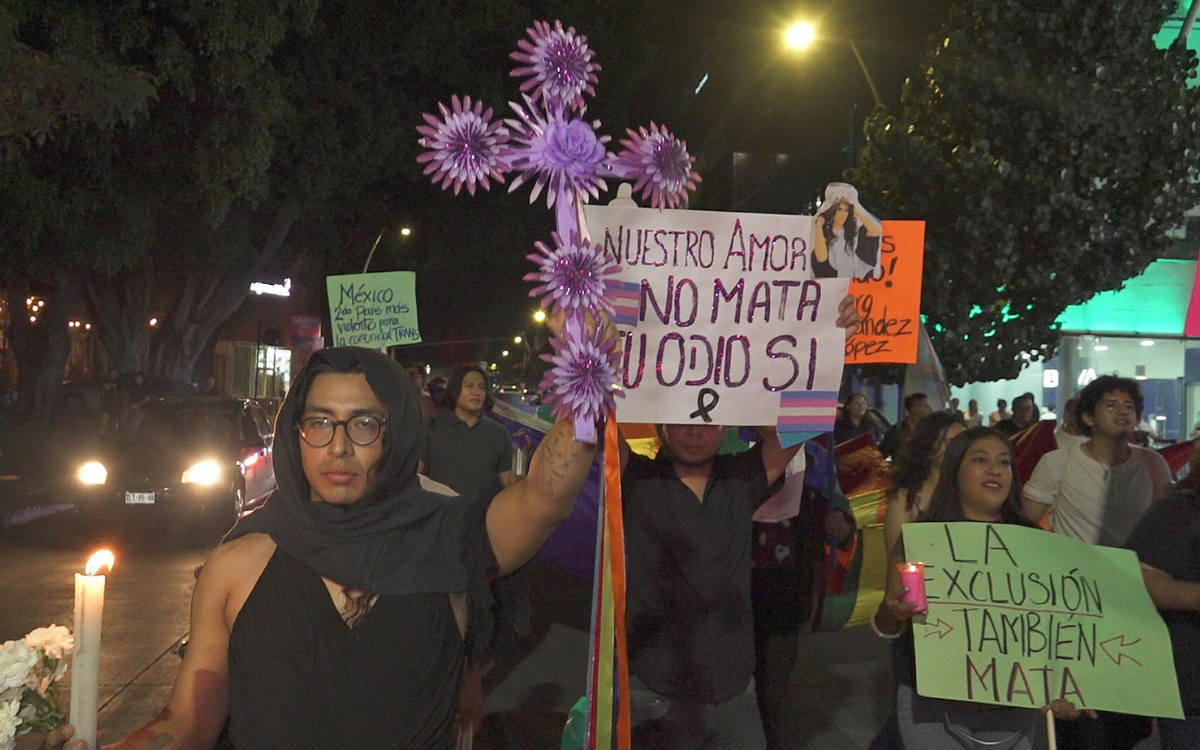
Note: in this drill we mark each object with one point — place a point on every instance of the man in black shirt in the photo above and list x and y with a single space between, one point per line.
916 408
688 618
689 623
1024 413
1167 542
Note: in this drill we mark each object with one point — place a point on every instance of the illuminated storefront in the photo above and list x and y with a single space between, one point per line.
1135 332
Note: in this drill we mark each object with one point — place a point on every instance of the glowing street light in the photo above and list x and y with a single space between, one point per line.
800 35
539 316
405 231
517 339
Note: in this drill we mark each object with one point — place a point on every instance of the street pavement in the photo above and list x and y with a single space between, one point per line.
840 693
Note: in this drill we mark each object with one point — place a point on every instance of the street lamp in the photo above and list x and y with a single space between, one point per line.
801 35
404 232
539 316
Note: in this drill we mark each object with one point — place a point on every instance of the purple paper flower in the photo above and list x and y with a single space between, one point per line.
581 383
465 146
661 165
572 275
559 64
561 156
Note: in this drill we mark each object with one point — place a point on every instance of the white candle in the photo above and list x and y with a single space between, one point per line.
85 663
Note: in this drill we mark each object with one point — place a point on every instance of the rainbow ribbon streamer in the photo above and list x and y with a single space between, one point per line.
608 669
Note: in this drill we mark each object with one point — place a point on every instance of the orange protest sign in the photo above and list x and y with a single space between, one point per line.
890 304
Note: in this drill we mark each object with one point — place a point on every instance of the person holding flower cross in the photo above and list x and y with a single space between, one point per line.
340 614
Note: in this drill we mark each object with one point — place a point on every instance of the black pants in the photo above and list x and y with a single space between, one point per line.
1109 731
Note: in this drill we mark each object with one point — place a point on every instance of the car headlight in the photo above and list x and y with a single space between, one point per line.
93 472
205 472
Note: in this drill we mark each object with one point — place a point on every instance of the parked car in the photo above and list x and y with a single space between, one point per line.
197 460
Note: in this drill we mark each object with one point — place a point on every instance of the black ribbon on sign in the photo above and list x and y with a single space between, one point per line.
703 407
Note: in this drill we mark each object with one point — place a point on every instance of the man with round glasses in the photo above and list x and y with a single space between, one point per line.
340 614
362 430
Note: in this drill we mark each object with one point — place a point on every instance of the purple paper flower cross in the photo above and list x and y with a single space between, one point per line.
550 145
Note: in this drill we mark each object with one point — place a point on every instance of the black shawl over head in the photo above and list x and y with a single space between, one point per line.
400 540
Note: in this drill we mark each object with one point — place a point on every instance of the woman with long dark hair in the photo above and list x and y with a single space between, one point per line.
916 473
977 483
845 236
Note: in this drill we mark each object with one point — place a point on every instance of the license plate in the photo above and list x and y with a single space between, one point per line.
139 498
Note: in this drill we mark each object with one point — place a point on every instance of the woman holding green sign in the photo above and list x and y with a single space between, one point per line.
977 483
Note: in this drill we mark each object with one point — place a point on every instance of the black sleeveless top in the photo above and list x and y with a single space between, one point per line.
390 682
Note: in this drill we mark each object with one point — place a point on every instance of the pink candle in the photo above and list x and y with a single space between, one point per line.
912 576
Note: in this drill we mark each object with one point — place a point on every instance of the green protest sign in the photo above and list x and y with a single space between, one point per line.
1020 616
373 309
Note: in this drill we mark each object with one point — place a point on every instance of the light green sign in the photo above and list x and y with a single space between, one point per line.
1020 616
373 309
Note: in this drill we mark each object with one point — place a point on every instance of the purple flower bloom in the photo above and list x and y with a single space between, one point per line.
661 165
465 146
559 64
581 383
561 156
571 275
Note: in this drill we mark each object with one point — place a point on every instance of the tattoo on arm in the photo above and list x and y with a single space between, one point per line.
562 453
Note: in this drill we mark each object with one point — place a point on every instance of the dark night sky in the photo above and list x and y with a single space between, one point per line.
758 98
761 98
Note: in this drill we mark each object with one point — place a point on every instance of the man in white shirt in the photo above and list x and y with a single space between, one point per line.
1096 492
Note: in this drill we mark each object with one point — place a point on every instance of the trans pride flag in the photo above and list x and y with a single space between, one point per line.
804 415
625 297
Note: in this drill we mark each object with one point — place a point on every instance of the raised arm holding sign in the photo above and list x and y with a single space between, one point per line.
687 517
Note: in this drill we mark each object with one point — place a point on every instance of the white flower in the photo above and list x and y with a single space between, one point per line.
16 661
55 640
8 723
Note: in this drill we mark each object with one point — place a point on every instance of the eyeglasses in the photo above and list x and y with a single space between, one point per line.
1118 406
362 430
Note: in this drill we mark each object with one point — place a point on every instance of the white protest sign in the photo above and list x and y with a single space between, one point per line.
720 318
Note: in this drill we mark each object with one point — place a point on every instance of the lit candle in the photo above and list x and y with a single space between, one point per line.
912 575
85 664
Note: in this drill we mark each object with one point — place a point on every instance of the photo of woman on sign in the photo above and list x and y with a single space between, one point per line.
845 236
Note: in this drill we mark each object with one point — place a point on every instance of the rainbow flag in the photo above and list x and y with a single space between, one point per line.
856 578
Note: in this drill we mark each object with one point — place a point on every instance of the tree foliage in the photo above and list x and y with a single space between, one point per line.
178 148
149 127
1049 147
